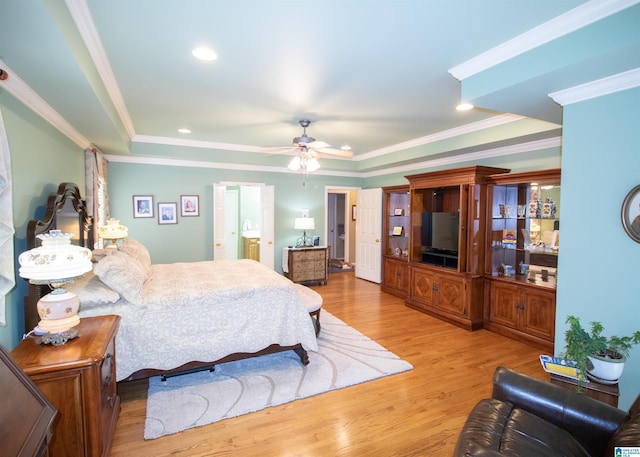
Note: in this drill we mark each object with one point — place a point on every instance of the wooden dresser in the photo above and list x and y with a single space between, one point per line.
79 379
307 264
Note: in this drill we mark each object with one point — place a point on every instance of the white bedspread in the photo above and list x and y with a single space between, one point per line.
203 311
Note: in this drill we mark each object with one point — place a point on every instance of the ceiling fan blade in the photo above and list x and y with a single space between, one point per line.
317 144
335 152
279 149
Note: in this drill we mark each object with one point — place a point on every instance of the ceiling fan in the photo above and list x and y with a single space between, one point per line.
309 150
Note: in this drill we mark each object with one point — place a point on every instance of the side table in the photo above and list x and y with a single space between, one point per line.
79 379
605 393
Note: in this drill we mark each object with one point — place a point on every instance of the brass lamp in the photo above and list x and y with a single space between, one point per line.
55 263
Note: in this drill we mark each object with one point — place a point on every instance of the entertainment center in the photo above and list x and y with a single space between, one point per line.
477 247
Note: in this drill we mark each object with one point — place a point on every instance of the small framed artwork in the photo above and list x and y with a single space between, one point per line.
142 206
167 213
398 212
354 212
189 205
398 230
630 214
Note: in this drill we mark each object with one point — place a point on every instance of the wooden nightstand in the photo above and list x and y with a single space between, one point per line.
308 264
79 379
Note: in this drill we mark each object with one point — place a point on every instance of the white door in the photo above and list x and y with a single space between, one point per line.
369 235
231 237
219 245
267 230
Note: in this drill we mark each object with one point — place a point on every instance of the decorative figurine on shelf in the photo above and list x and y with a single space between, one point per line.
535 208
549 209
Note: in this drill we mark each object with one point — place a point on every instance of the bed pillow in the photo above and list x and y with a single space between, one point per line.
92 292
138 251
122 273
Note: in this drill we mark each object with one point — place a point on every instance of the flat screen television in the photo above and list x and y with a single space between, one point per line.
440 232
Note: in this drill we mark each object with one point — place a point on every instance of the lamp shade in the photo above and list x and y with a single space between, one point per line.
113 230
304 223
295 163
313 164
55 261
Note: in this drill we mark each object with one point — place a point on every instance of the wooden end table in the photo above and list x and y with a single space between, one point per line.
604 392
79 379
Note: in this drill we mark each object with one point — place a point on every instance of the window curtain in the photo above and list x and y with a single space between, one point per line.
7 268
96 177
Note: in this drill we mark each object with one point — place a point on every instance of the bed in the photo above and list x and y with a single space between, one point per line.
178 317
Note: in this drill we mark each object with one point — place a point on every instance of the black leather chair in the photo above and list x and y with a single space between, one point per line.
529 417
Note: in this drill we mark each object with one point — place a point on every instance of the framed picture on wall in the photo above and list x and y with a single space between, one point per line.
142 206
189 205
167 213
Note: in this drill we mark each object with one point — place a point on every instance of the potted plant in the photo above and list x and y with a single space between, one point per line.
595 355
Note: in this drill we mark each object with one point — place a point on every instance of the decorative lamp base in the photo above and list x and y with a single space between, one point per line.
57 339
304 241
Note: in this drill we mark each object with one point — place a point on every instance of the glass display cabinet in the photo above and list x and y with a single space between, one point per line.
524 235
522 245
395 244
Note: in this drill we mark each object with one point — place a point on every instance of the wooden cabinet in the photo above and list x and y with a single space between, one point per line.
79 379
307 264
251 248
447 226
522 247
453 297
395 277
395 242
522 311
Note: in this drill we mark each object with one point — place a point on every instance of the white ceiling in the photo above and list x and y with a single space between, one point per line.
373 74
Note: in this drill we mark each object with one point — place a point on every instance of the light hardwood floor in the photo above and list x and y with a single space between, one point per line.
416 413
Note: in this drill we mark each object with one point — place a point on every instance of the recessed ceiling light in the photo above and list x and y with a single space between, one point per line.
184 130
464 107
346 147
204 53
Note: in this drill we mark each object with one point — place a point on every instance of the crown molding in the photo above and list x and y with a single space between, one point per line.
472 156
553 29
81 16
593 89
439 136
221 165
489 153
195 143
21 91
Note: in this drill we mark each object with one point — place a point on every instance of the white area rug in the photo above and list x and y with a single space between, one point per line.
345 357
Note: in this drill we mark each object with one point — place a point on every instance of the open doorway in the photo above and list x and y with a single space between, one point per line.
340 227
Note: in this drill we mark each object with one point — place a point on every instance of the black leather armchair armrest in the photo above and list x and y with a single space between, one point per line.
590 420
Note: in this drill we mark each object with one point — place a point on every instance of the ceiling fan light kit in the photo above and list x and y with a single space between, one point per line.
309 149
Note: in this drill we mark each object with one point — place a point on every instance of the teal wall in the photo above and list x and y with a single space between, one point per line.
41 158
191 239
598 276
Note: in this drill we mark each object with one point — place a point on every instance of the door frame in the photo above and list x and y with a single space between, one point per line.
348 203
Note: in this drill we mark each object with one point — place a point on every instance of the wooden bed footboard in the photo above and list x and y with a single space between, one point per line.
192 367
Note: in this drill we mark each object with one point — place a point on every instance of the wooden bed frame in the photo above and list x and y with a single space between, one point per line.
66 210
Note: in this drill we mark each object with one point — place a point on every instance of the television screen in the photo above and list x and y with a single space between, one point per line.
440 231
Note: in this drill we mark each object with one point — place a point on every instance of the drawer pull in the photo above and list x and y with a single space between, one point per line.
107 381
